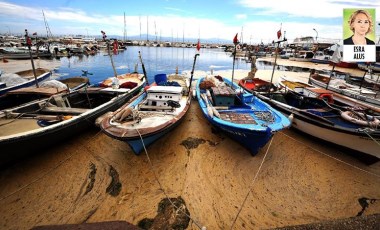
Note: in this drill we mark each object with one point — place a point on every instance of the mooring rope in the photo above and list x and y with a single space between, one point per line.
365 131
161 187
253 182
374 174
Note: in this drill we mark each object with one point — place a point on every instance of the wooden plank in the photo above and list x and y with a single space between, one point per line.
155 107
65 110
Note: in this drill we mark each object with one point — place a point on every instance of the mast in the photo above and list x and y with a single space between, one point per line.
48 32
124 28
147 29
140 26
155 30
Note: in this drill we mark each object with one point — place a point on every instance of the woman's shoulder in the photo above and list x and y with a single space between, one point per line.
369 41
348 41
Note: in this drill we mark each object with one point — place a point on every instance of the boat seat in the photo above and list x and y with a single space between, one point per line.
67 110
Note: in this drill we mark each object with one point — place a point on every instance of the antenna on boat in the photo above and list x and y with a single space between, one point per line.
236 42
143 68
109 52
28 41
195 59
276 52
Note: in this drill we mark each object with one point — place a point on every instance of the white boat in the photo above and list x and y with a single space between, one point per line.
367 96
22 79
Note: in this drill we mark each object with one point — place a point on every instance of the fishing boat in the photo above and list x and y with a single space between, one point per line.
34 126
342 87
152 114
253 83
241 115
46 89
257 84
23 79
328 95
354 128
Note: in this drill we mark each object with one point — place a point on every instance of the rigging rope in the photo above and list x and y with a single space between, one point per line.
162 189
365 131
251 187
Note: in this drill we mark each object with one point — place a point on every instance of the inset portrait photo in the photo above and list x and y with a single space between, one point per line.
359 35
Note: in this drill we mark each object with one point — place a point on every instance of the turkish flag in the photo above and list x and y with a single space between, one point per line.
236 41
115 46
279 34
198 45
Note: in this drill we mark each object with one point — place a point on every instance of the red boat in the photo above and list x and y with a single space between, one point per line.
257 84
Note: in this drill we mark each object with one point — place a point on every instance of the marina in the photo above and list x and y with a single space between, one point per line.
210 171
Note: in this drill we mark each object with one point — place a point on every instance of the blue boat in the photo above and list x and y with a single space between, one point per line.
150 115
241 115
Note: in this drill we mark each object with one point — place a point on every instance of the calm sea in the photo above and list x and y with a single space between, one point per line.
156 60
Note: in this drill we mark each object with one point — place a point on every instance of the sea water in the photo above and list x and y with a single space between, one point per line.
156 60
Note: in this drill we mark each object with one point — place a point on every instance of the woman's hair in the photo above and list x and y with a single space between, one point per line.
353 16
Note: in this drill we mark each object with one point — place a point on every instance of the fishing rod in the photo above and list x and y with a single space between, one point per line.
143 68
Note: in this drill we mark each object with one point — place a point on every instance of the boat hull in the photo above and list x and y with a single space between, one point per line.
21 145
253 136
150 121
32 82
354 139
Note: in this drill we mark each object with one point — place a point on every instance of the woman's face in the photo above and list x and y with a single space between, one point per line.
361 24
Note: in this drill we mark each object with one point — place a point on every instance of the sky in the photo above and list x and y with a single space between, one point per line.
254 20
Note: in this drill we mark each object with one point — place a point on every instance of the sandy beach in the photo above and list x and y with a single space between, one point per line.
301 179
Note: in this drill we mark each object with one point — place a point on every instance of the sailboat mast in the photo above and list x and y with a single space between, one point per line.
140 26
147 29
48 32
124 27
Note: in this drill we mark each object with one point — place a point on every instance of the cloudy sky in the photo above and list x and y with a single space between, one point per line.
256 20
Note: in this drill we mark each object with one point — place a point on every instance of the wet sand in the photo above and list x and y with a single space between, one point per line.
93 178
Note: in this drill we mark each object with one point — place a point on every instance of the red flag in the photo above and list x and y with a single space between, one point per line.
115 46
279 34
28 41
236 41
198 45
35 33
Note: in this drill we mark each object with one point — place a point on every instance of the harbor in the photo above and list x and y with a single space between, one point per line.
301 180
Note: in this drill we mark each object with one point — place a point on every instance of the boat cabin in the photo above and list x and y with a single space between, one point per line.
223 96
162 97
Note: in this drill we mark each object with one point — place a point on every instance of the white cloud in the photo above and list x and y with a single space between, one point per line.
314 9
241 16
75 21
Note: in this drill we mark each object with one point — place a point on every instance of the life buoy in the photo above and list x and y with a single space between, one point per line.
326 96
360 119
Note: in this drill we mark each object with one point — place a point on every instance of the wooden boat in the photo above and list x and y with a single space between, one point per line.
339 86
47 89
257 84
327 95
151 115
238 113
346 126
343 64
23 79
34 126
